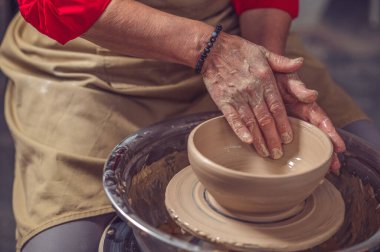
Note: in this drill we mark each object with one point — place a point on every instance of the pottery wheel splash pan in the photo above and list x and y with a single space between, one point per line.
191 206
140 167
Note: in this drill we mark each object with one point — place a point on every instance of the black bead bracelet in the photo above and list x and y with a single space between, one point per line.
210 43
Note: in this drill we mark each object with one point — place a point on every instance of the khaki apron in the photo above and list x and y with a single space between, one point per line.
68 106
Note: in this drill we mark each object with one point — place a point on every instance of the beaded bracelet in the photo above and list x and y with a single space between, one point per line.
203 56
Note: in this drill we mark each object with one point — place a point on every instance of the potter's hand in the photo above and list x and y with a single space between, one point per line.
301 102
239 77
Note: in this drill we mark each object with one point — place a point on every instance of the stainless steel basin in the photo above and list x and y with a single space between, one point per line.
139 168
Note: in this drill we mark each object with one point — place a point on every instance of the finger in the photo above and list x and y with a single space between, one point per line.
327 127
282 64
302 110
298 89
269 130
335 164
318 117
287 98
277 108
249 120
315 115
236 123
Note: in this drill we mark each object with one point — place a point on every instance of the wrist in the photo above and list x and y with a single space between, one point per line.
266 27
207 49
198 37
217 46
224 45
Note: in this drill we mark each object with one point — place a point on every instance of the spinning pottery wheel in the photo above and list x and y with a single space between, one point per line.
231 196
139 169
311 224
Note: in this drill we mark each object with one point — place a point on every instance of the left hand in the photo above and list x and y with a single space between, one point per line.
301 102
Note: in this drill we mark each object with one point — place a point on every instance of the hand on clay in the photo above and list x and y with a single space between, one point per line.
301 102
239 77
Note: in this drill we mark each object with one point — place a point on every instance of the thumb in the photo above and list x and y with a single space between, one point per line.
283 64
298 89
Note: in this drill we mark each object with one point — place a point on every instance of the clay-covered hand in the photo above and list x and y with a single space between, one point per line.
239 77
301 102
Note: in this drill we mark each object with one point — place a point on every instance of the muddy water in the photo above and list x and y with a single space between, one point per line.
362 215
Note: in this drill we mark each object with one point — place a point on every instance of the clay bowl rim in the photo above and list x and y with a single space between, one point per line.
220 168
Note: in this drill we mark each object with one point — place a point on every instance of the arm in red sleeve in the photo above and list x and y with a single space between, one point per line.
289 6
62 20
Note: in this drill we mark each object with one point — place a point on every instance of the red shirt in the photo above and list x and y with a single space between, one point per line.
289 6
68 19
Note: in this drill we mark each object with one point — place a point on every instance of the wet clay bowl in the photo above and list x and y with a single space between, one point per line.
241 181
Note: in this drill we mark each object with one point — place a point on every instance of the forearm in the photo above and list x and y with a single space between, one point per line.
266 27
238 74
134 29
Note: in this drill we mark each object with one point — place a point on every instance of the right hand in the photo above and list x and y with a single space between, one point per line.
239 77
301 102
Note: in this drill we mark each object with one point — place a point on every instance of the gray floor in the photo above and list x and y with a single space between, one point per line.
338 32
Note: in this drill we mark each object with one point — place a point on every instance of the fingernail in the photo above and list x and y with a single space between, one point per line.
311 95
298 60
264 150
286 138
247 138
276 153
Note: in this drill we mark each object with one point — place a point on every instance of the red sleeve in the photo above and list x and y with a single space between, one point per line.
289 6
62 20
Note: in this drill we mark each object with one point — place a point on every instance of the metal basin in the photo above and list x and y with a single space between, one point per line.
139 168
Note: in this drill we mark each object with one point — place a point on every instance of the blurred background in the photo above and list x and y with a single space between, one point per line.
344 34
